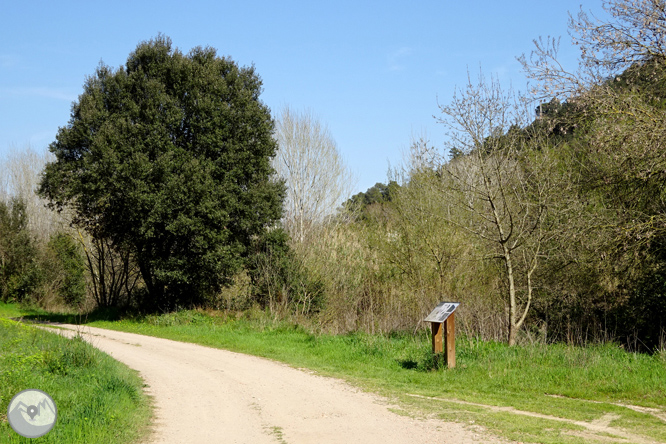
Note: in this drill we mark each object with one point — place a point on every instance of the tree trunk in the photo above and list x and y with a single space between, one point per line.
513 324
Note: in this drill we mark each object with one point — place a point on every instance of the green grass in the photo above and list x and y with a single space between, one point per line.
13 310
573 383
99 400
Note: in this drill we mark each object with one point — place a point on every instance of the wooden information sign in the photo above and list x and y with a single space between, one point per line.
443 314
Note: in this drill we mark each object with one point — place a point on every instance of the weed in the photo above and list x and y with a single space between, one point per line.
99 400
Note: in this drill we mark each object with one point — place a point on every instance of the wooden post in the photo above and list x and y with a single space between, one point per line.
450 332
437 340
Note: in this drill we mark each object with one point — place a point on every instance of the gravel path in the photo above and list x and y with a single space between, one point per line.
207 395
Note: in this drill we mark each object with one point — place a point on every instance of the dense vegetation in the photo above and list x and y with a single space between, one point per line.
546 227
33 269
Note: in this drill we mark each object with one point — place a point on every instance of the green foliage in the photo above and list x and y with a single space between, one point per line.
433 259
613 272
600 262
562 120
67 269
68 359
279 278
646 79
641 318
583 187
169 156
184 317
20 273
377 194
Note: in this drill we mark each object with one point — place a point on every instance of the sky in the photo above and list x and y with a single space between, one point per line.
373 72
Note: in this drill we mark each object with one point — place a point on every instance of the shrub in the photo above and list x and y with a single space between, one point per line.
68 268
279 279
20 273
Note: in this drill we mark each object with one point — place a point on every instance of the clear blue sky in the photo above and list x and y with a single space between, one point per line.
372 71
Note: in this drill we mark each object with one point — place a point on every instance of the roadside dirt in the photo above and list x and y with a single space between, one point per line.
209 395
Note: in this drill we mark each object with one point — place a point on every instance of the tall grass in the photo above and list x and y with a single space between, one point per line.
386 275
99 400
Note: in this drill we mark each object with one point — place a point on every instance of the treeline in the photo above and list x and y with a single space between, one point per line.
40 262
544 216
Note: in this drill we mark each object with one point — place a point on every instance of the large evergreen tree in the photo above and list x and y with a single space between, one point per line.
169 156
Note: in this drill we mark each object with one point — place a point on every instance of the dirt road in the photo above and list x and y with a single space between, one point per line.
206 395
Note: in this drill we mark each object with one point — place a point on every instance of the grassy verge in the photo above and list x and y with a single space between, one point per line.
546 394
99 400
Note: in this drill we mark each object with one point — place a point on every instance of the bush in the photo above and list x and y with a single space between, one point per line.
279 279
67 270
32 272
20 273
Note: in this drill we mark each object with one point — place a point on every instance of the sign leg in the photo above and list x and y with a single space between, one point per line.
450 349
437 339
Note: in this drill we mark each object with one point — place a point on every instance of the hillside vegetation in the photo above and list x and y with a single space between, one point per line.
544 215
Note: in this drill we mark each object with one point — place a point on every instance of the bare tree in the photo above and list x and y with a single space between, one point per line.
634 35
618 86
315 174
20 173
615 97
501 190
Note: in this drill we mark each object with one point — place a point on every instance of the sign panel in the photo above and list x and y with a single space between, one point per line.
442 311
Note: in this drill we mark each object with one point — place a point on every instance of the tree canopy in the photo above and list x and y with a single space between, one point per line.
169 156
378 193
